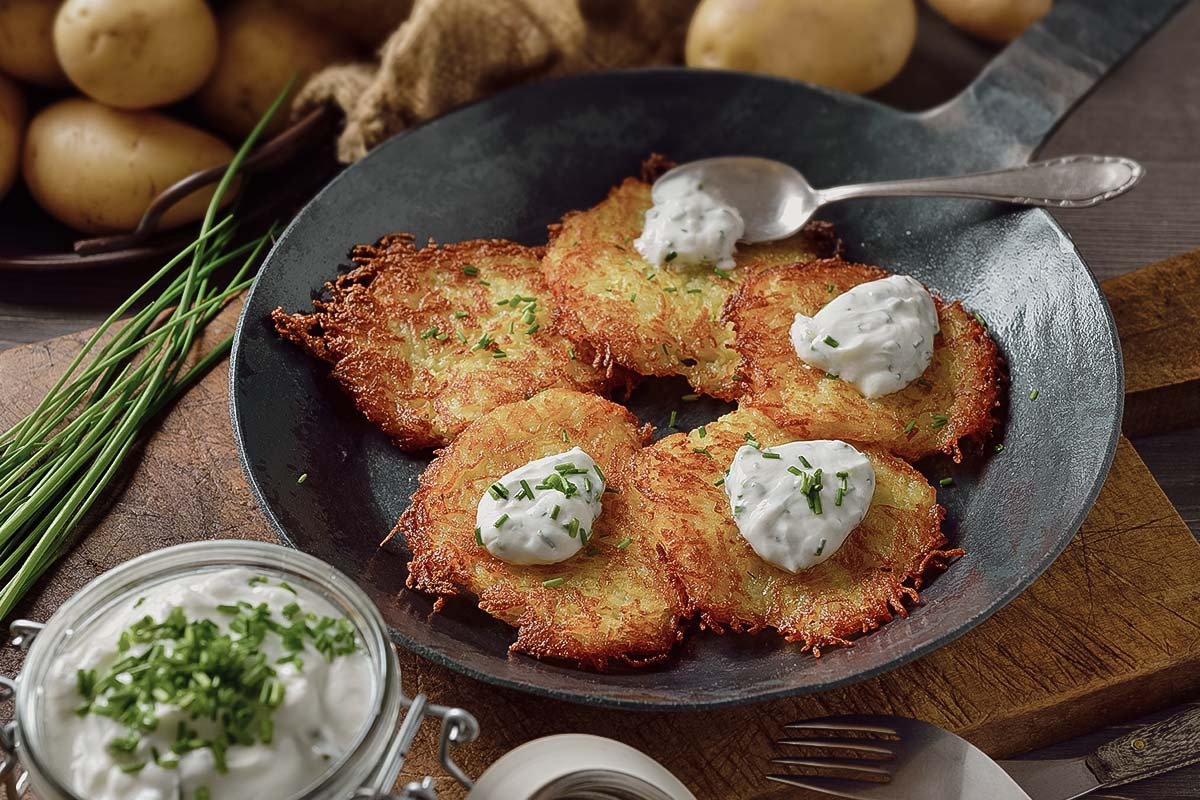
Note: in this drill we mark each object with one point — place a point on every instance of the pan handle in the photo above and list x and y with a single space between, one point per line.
1031 85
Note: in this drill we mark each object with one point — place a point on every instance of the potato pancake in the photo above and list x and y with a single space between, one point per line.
616 603
426 340
675 494
655 321
953 400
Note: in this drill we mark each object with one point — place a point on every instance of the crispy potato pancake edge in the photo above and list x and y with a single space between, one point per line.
954 401
654 321
865 584
618 605
424 343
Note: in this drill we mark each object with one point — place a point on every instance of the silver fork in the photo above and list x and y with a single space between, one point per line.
894 758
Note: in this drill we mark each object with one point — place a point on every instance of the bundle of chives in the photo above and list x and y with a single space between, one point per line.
57 461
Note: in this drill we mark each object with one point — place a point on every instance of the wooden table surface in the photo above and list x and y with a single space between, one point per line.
1148 109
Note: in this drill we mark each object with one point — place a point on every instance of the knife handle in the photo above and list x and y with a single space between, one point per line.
1154 749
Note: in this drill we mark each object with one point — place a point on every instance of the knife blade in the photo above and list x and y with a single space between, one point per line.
1052 779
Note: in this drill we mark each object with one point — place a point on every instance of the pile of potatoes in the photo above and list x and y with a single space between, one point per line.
852 45
98 152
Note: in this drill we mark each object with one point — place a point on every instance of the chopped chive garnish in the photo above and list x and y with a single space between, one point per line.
599 472
571 352
719 481
829 340
690 398
478 537
550 584
830 288
611 490
503 518
502 302
459 314
795 470
722 273
671 256
1033 395
621 545
816 498
979 318
287 587
512 326
554 513
462 337
804 461
831 376
526 492
670 289
909 427
573 528
303 477
999 448
583 536
499 354
703 450
938 421
633 297
469 270
837 498
532 329
738 509
946 482
498 492
694 291
765 454
430 332
820 548
671 421
703 431
565 437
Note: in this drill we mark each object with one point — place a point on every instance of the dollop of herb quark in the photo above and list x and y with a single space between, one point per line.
219 675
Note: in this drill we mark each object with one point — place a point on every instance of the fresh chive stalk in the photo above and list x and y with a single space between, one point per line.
59 460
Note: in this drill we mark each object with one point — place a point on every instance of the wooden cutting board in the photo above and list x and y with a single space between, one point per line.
1111 630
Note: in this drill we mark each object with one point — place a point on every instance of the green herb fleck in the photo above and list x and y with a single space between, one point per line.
621 545
550 584
829 340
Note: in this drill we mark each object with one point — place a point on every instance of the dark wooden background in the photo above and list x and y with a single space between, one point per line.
1148 109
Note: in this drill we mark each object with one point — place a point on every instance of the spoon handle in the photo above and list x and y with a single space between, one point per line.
1065 182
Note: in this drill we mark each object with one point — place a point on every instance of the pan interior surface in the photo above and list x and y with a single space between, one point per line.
510 165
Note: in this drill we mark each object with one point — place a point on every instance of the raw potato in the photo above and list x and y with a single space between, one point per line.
12 126
262 46
852 45
96 169
136 53
27 42
994 20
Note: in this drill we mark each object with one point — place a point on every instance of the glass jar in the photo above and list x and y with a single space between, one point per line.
368 769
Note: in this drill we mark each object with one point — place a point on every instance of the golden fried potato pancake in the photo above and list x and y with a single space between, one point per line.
617 604
426 340
676 497
650 320
954 400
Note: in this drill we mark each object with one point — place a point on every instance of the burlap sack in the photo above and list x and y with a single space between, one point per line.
450 52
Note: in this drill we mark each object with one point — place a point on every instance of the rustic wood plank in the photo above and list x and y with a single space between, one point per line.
1157 310
1121 604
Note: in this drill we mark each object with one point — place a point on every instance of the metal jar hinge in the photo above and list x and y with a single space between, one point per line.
15 785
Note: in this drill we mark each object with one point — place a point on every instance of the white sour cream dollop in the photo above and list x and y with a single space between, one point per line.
543 512
877 337
688 226
325 704
782 514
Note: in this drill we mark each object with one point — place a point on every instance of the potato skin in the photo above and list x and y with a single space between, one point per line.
27 42
12 128
136 54
96 168
852 45
995 20
262 46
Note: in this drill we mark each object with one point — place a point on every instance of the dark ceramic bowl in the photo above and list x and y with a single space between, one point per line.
508 166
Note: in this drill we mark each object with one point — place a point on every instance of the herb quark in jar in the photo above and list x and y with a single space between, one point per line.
215 671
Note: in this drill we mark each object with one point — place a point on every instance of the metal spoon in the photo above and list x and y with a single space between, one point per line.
776 201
